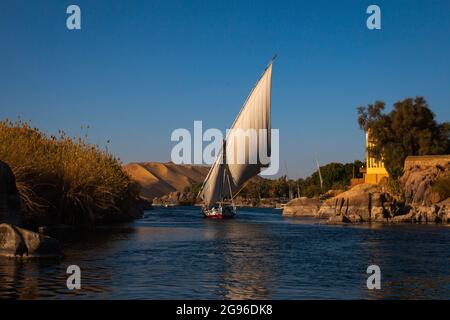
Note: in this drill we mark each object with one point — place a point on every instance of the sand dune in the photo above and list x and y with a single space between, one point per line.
158 179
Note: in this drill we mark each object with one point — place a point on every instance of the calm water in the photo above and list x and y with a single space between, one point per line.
172 253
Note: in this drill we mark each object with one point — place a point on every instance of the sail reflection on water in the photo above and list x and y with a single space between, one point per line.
248 272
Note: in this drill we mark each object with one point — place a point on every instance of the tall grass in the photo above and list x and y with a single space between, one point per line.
65 180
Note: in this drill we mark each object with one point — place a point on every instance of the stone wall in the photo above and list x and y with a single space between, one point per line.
424 162
302 207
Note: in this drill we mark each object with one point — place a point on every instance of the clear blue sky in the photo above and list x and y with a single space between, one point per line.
139 69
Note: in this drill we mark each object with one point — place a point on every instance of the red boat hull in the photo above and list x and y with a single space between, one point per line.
220 213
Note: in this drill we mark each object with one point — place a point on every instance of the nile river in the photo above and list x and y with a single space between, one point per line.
173 253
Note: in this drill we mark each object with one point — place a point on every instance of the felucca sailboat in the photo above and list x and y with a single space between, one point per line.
227 177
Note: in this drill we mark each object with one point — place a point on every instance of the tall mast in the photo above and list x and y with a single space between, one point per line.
235 119
224 161
320 175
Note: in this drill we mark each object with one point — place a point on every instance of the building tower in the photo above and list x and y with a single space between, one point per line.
375 169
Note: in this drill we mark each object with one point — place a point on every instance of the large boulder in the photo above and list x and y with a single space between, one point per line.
302 207
18 242
444 211
418 179
362 203
420 174
9 196
11 242
437 213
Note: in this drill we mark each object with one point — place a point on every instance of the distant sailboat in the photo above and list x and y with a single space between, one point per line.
226 180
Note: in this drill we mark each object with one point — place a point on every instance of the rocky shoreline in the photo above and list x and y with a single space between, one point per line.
178 198
17 242
368 203
303 206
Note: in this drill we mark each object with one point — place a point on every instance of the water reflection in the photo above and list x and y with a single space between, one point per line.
247 268
412 261
172 253
29 279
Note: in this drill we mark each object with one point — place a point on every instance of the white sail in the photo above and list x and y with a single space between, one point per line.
213 187
255 114
229 176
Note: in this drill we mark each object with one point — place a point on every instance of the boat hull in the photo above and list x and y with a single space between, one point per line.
228 212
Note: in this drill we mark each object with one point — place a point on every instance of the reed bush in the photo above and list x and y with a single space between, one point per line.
66 180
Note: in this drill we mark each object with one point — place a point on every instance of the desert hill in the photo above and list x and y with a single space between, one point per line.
158 179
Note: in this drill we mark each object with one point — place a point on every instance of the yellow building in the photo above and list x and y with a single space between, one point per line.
375 169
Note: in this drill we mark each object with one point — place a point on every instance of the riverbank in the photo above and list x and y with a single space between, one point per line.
61 180
190 199
423 198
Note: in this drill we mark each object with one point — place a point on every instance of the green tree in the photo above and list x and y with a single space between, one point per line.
335 176
194 188
409 129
